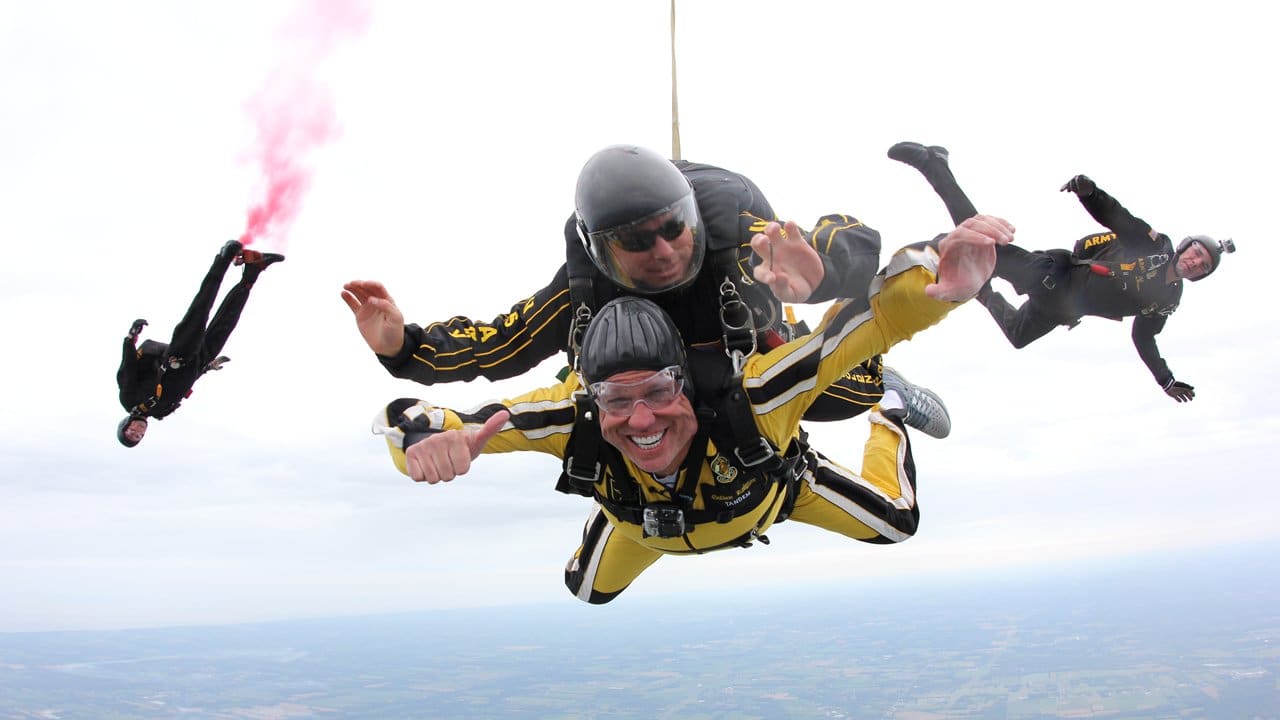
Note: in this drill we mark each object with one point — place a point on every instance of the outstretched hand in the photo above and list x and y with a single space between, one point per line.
1081 185
379 319
444 456
788 264
968 256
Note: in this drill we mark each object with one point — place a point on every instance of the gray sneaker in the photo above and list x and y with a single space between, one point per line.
924 409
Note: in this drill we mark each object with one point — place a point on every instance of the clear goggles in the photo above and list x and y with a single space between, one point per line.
657 391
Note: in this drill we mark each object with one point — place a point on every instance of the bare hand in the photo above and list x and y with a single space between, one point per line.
380 322
968 256
788 264
444 456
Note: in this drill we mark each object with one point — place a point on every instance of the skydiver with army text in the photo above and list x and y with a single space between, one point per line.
1130 271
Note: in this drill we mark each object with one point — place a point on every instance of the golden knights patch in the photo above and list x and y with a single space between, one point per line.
724 471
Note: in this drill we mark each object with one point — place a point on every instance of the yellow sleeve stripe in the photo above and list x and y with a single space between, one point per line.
556 313
498 361
829 228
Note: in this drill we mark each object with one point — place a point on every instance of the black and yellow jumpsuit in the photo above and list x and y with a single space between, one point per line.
877 505
733 210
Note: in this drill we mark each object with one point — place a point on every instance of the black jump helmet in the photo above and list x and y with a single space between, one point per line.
630 333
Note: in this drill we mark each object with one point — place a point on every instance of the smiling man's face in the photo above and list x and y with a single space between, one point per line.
656 439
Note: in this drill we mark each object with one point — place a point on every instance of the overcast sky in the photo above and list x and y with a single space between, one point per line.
126 160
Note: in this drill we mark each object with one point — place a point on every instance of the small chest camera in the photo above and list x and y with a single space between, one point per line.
663 520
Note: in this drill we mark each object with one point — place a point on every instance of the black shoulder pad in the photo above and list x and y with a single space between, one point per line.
722 196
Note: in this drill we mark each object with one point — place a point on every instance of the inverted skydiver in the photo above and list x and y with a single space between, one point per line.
155 377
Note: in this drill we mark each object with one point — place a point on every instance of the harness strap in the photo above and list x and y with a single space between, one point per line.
692 518
737 321
582 469
686 488
750 447
582 298
793 464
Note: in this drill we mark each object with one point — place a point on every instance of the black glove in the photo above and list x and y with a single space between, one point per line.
1180 391
1081 185
136 329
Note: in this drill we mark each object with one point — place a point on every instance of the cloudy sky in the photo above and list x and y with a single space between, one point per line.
130 153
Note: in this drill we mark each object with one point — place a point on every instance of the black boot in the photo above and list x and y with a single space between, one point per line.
918 156
259 260
255 262
932 162
264 259
231 249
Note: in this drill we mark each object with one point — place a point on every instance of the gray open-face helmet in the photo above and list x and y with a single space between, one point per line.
1213 247
124 439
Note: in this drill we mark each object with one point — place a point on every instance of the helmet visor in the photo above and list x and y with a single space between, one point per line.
659 252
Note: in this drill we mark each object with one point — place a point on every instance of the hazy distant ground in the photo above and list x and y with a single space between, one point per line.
1187 637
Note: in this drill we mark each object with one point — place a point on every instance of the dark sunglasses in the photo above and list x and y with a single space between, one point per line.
636 240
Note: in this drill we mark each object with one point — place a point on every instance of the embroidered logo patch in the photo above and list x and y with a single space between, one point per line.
724 471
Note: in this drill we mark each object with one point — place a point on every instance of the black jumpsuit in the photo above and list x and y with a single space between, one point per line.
150 384
1064 285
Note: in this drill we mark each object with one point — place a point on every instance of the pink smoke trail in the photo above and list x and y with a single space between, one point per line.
293 114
